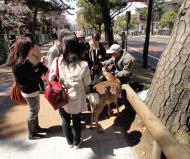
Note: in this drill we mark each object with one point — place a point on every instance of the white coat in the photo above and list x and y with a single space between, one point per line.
76 79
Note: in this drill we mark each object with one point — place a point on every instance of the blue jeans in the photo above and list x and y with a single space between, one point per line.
72 137
34 107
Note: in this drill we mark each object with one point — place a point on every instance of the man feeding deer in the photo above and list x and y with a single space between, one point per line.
116 71
120 64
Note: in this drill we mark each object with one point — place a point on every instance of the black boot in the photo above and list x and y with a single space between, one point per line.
39 129
33 135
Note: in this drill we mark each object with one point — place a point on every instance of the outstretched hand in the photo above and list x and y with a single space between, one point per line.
44 60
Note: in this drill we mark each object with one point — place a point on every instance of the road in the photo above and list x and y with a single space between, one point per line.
156 47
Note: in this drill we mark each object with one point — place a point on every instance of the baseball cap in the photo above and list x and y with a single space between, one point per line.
114 48
80 34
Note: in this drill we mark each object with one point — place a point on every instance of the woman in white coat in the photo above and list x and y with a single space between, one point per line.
76 75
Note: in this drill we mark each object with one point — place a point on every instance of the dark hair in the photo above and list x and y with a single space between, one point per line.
71 53
96 35
21 48
62 33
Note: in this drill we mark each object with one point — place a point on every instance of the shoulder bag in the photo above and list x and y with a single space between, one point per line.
15 94
56 92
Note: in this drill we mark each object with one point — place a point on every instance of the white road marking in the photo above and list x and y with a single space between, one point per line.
142 53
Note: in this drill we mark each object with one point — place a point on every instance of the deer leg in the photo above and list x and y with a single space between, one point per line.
92 118
94 107
109 113
99 110
116 104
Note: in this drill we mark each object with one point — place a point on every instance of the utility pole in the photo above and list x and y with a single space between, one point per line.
128 18
146 44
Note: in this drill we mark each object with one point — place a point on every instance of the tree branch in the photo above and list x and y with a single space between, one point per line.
115 13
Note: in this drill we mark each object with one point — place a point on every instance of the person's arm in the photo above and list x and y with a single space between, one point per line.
123 73
30 73
87 79
52 72
52 53
41 66
126 71
103 51
107 62
37 52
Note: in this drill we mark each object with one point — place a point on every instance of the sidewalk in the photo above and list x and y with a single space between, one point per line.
116 142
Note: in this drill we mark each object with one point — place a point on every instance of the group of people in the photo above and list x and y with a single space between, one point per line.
78 63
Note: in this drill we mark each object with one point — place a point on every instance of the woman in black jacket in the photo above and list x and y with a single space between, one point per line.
28 77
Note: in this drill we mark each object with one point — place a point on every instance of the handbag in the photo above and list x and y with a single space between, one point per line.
56 92
15 94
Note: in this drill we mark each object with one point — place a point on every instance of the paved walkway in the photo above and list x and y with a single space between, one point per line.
116 142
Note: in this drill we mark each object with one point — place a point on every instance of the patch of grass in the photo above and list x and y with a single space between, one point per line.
141 75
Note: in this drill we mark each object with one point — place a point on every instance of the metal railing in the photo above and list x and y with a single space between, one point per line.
164 140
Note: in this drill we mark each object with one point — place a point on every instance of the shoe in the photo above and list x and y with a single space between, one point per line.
35 136
78 145
41 130
71 145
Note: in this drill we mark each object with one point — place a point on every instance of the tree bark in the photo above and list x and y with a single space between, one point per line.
107 21
169 94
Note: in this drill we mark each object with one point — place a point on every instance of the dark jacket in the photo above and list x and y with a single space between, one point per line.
28 76
98 56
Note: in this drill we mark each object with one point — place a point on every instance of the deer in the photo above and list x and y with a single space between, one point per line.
106 92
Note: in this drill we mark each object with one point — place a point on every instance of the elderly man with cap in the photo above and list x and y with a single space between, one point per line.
120 64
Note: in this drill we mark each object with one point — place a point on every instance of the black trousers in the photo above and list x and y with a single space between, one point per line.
72 134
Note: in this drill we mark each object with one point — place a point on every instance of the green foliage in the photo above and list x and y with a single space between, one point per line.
168 18
81 20
120 24
133 23
88 14
157 9
143 11
117 4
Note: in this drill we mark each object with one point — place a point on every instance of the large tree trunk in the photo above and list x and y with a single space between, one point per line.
169 94
107 21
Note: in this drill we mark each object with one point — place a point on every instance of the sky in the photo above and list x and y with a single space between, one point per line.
72 18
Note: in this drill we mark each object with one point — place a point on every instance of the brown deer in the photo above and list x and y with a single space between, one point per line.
106 92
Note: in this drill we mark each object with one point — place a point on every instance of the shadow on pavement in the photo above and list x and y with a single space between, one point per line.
11 123
6 104
55 130
127 116
114 137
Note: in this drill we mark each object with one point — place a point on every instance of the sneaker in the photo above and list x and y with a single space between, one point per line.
78 145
